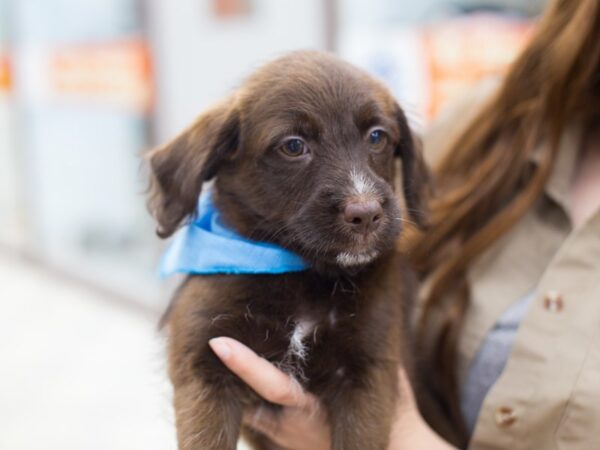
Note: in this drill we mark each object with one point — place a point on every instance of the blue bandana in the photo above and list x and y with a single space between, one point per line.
205 246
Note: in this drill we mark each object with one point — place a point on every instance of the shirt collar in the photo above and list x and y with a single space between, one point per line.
559 183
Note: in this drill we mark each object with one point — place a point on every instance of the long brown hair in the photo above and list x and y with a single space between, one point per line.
486 181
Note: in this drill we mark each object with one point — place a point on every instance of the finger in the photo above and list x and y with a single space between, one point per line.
406 390
406 409
263 377
290 426
263 420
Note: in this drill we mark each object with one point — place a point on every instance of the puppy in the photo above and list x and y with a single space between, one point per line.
303 157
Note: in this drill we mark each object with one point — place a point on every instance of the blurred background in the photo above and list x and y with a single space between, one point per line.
85 88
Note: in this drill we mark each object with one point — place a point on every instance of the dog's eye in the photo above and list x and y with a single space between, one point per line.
294 147
377 138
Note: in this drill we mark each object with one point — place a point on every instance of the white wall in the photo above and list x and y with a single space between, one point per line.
201 58
10 214
11 218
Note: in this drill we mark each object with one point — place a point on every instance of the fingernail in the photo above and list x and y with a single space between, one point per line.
220 347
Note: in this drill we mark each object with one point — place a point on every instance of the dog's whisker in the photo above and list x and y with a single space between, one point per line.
404 220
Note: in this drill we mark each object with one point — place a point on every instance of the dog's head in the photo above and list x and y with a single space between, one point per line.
303 155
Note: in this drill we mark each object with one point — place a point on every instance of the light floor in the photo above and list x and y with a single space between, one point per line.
78 371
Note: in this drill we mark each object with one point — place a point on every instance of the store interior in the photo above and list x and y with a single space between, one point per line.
86 89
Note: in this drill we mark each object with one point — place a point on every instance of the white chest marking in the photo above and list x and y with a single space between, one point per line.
301 331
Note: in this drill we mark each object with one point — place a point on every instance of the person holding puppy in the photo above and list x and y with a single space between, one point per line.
508 324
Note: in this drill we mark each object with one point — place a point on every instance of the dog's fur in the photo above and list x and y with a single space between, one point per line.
340 327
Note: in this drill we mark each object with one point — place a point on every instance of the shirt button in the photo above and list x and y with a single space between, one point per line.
505 416
553 302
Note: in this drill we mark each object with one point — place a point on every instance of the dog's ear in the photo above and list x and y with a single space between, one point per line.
180 167
415 175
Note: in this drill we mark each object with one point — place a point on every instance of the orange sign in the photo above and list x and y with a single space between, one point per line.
117 74
462 52
5 80
227 9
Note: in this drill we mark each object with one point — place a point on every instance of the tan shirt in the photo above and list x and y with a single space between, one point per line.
548 396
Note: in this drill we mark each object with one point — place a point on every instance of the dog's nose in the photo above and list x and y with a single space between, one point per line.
363 216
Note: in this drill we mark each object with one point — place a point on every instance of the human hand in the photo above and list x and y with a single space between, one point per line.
410 431
301 424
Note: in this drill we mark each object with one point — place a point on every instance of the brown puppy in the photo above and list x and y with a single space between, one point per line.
303 155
